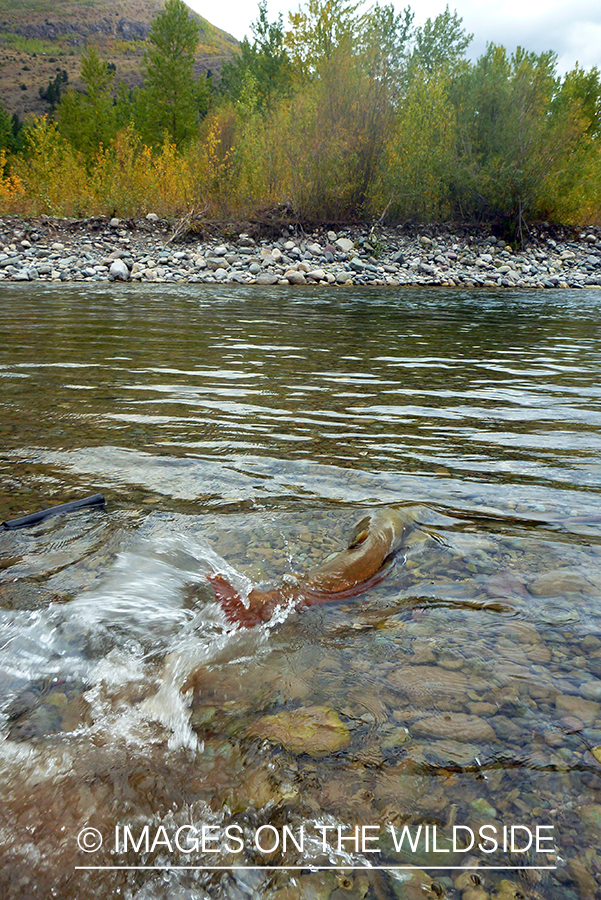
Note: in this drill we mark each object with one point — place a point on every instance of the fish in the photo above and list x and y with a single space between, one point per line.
373 542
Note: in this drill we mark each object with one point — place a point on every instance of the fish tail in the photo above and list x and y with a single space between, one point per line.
231 602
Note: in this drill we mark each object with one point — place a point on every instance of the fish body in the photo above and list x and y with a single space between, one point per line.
373 541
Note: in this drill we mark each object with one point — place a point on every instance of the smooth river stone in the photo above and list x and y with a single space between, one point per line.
580 872
591 816
295 277
455 726
217 262
558 582
591 690
429 682
585 710
452 753
344 244
266 278
119 270
316 730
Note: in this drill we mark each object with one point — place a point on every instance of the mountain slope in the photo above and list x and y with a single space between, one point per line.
41 38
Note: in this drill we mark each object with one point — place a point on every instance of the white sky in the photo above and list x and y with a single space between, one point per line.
572 28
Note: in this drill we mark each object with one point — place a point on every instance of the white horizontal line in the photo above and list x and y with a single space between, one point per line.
313 868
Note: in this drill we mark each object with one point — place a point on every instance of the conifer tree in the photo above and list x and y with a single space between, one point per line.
172 99
265 63
6 132
88 119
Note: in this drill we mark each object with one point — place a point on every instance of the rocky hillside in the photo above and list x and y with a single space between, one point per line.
40 39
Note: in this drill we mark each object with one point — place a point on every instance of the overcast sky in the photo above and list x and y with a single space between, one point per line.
570 27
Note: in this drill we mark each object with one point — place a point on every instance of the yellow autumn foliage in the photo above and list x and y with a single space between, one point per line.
52 173
11 186
128 179
125 179
346 146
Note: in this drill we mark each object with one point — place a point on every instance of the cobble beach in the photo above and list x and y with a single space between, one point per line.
150 250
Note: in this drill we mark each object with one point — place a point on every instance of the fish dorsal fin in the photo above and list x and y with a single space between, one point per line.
360 532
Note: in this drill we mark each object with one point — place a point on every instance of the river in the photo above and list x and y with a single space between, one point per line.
447 719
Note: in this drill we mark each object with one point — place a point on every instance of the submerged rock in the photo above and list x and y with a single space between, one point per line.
316 730
428 681
48 707
455 726
559 582
596 751
580 872
585 710
450 753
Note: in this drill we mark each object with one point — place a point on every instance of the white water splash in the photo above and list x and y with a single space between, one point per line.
111 637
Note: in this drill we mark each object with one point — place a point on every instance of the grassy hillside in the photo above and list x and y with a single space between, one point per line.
40 38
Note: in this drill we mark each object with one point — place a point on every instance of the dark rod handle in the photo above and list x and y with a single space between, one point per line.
34 518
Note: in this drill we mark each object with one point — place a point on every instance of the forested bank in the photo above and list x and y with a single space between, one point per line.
342 114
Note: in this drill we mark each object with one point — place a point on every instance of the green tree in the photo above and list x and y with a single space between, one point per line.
52 93
382 42
516 142
317 30
6 131
381 52
583 88
420 153
172 100
88 120
264 64
18 133
440 44
353 66
577 187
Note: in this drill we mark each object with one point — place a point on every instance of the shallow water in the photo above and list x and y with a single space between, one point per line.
245 432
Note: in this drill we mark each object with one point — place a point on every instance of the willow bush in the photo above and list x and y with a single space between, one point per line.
419 160
129 179
52 173
125 179
11 187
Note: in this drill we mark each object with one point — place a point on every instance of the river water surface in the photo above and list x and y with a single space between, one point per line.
245 431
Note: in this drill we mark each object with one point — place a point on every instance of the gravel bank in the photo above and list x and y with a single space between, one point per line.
145 251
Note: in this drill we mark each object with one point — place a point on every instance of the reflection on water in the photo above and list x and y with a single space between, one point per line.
245 432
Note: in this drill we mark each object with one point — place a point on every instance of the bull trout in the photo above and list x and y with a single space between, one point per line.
373 542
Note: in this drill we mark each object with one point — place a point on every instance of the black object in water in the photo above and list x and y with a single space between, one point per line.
34 518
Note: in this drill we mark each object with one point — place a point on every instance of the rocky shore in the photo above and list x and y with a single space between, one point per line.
150 250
